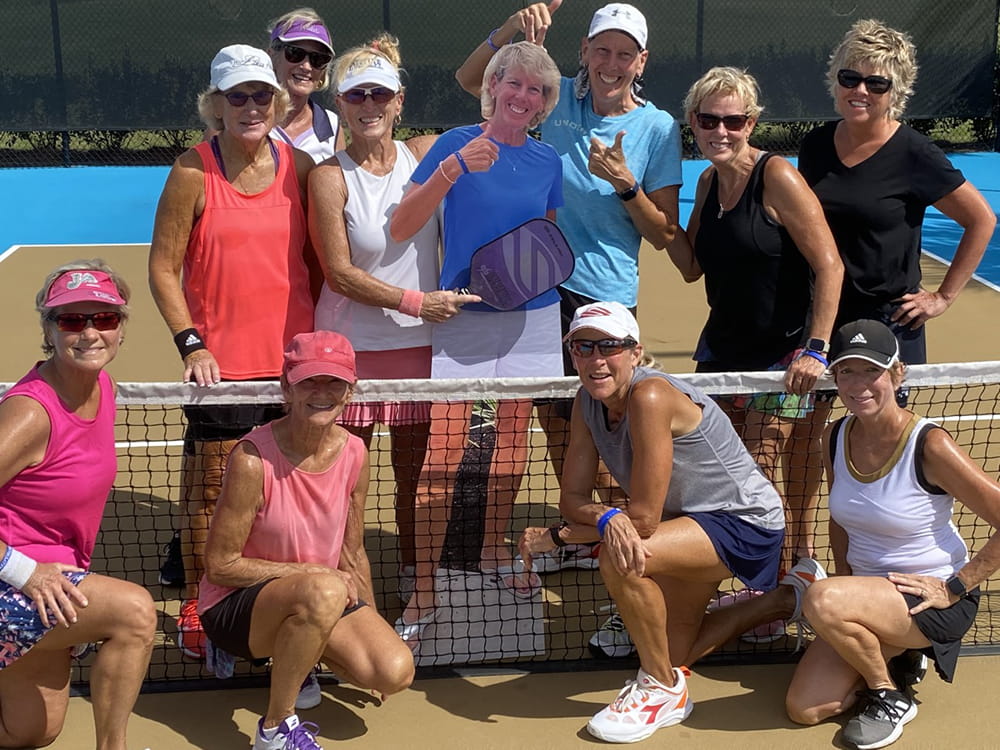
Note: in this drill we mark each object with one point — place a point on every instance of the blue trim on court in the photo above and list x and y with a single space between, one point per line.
116 205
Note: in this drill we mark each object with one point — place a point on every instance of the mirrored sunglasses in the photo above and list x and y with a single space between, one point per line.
584 348
78 322
239 98
379 95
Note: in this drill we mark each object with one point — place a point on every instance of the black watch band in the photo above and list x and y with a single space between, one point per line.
554 533
956 587
818 345
629 193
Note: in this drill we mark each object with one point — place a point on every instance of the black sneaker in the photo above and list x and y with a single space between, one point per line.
880 718
908 668
172 569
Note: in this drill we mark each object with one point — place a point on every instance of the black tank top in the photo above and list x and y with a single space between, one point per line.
759 286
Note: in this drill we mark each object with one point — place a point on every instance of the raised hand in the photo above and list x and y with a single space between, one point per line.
608 163
535 20
480 153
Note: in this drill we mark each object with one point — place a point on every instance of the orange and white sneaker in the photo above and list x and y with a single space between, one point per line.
190 635
643 706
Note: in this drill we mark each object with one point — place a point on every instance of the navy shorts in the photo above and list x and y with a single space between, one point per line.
227 624
751 553
945 628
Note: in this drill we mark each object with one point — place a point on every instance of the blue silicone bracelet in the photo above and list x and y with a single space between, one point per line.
818 356
461 163
602 522
490 42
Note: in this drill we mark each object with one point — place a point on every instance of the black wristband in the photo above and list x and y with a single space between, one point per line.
187 341
554 533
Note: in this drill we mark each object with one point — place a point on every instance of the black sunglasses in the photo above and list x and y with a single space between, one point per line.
851 79
379 95
239 98
730 122
584 348
78 322
295 54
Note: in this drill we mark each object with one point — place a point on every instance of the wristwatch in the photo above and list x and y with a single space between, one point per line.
629 193
817 345
956 587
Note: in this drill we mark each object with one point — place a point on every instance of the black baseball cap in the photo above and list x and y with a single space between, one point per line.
865 339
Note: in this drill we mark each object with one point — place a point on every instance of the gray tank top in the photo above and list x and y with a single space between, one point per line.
712 469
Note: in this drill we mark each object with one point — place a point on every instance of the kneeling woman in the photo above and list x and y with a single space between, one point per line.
286 572
57 466
699 511
904 579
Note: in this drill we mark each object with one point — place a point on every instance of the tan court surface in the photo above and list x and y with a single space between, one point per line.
738 706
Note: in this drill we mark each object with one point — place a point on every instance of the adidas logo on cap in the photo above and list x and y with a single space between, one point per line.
859 338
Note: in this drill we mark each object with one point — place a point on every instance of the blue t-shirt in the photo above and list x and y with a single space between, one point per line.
594 220
524 183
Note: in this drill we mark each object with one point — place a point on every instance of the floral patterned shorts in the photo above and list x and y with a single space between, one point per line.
20 626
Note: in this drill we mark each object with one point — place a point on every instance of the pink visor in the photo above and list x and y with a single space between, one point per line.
83 286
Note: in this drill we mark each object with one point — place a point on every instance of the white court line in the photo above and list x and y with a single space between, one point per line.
976 276
14 248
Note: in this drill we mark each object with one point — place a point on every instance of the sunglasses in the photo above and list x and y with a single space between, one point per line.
239 98
851 79
78 322
730 122
379 95
584 348
295 54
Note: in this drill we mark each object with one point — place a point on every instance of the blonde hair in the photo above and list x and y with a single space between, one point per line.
724 80
534 61
385 46
95 264
307 16
872 43
206 107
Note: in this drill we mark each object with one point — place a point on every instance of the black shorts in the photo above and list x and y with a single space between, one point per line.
228 622
945 628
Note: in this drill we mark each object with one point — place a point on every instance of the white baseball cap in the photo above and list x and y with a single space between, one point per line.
620 17
241 63
611 318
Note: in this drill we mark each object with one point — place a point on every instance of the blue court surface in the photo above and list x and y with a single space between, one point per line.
116 205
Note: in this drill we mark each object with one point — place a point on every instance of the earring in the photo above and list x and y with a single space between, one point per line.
397 119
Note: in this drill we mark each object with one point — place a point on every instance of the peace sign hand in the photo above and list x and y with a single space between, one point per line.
608 163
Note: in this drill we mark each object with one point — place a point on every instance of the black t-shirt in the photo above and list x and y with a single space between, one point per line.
875 210
757 281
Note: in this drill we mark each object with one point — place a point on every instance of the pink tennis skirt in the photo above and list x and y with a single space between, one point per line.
391 364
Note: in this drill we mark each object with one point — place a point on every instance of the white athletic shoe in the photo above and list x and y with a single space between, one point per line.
310 695
643 706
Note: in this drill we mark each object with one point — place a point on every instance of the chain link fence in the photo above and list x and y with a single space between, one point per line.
115 81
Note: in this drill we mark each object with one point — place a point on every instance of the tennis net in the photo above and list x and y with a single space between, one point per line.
484 618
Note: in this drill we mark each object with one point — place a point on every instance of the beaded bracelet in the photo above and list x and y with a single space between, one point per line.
445 174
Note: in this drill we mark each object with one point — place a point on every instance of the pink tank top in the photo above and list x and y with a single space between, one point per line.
52 512
304 515
245 278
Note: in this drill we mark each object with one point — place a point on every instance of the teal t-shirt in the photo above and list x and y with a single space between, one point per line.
593 218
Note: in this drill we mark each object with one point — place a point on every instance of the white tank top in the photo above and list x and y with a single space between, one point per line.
412 264
892 522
